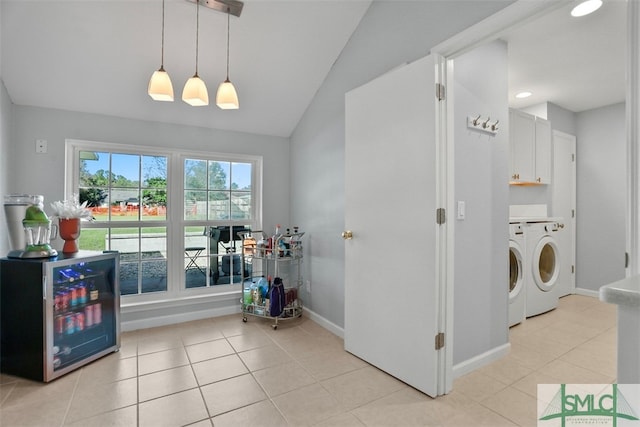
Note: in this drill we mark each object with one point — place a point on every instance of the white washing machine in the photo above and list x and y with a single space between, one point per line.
543 267
517 272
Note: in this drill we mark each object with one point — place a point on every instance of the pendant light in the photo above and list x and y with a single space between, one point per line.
195 91
160 87
585 8
227 98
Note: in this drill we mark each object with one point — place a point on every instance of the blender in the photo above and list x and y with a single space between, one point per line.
29 227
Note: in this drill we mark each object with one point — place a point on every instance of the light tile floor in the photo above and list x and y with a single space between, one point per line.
224 372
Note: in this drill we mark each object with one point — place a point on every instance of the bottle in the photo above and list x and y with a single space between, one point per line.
275 241
93 290
282 248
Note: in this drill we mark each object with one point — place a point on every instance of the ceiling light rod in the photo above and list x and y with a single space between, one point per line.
227 97
195 91
234 7
160 87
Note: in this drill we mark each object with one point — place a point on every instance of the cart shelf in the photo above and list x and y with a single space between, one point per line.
282 258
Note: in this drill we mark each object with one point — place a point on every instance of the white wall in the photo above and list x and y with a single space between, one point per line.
390 33
481 181
601 196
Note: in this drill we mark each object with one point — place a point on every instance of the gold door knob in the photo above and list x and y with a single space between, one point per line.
560 225
347 235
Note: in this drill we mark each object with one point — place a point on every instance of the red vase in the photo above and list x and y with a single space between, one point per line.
69 230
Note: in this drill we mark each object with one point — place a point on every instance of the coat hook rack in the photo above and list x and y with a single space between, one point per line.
483 125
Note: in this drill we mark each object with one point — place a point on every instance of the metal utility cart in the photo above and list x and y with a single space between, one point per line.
262 261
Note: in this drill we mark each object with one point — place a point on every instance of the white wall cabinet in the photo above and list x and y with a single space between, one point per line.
530 144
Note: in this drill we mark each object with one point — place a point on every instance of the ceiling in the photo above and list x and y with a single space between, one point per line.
576 63
97 56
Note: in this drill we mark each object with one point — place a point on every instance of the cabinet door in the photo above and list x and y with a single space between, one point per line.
543 151
522 143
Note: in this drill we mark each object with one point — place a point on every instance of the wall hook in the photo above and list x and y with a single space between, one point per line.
482 125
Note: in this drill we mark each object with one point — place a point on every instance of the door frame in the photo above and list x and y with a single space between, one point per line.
520 13
477 35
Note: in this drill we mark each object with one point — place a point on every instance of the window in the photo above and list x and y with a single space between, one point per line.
218 202
127 194
144 201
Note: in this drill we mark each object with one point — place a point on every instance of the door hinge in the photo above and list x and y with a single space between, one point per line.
573 213
573 269
439 340
626 260
573 157
441 216
440 91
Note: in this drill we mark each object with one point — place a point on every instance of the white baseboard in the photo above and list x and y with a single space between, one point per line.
480 360
164 320
330 326
587 292
133 319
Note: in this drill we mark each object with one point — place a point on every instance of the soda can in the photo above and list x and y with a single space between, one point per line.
69 324
64 300
57 302
88 316
59 325
79 318
73 296
97 314
82 293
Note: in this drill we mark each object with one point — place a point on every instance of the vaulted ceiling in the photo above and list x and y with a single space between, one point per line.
97 56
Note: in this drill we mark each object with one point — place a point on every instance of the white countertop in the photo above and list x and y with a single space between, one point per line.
623 292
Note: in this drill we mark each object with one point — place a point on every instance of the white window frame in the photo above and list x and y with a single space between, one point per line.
175 222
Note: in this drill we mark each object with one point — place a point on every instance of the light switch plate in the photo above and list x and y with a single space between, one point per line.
461 210
41 146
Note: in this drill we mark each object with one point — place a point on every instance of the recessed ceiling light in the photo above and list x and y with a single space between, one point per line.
586 7
522 95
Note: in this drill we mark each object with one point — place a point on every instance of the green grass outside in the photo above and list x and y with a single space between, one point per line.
93 239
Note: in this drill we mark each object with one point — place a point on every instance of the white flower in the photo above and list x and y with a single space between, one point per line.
71 208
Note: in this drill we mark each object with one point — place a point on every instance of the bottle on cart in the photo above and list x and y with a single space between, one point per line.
275 242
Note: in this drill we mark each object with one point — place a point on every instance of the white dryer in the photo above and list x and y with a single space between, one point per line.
517 273
543 269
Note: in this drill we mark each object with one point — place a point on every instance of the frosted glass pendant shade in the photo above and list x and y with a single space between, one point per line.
160 87
586 7
195 92
227 98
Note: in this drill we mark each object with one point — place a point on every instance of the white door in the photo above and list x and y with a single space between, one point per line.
391 288
563 204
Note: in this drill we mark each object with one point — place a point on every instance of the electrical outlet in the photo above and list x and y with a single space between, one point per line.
309 286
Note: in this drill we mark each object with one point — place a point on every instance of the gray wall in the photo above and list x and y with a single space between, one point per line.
601 196
481 181
390 33
44 173
5 155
